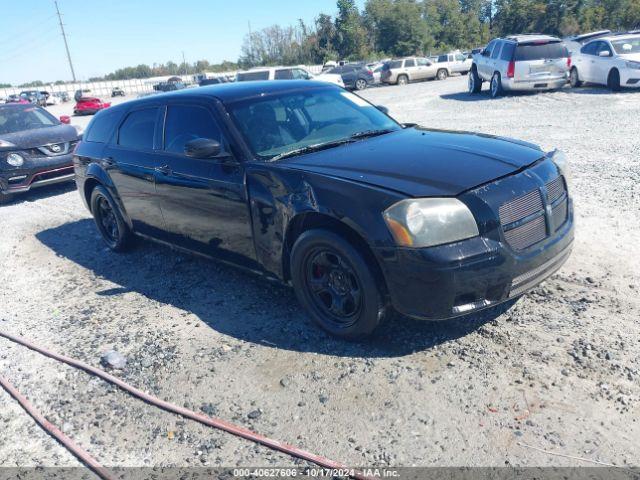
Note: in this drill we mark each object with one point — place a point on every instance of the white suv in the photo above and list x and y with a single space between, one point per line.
287 73
520 62
613 61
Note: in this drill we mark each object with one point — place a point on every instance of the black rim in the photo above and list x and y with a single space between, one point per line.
333 286
107 220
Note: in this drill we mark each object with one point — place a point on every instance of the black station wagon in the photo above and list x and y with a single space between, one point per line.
310 184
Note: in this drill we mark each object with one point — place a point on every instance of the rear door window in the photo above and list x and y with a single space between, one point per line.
283 74
541 51
442 59
185 123
138 130
249 76
409 63
496 50
394 64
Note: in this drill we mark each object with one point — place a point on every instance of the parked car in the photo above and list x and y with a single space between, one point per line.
287 73
294 180
15 98
454 62
613 61
521 62
52 98
117 92
35 97
35 149
404 70
354 76
376 70
62 96
169 86
89 106
575 42
203 82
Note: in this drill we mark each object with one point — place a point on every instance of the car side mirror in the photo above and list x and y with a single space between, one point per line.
204 148
66 119
383 109
604 53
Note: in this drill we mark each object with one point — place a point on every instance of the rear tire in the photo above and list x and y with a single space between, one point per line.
496 85
574 78
613 81
475 82
335 284
442 74
113 229
361 84
403 80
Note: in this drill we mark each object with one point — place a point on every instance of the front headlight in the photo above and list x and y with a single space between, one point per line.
426 222
560 159
15 159
633 65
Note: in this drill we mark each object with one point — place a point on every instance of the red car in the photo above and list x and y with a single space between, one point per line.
89 106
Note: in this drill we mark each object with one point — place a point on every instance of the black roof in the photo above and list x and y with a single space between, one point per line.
230 92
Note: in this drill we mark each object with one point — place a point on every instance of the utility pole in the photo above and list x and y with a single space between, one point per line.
66 45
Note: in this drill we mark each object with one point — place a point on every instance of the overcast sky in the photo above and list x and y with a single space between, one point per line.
106 35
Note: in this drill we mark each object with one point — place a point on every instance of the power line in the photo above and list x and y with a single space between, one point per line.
64 36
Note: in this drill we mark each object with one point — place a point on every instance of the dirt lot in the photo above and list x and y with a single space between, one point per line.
559 371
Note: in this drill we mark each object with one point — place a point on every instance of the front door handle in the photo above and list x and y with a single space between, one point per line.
164 169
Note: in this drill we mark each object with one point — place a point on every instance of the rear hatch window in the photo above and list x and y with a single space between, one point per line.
541 51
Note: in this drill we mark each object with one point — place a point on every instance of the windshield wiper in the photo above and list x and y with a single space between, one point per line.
310 148
322 146
371 133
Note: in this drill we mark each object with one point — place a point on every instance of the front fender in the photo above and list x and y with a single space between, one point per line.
278 195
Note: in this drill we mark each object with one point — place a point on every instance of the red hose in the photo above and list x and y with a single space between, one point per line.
83 455
198 417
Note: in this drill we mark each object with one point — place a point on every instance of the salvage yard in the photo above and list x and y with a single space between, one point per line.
559 371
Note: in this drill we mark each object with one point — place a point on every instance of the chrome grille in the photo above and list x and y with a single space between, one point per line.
527 234
559 215
524 219
555 189
521 207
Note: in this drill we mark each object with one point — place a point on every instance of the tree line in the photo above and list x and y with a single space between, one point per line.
385 28
407 27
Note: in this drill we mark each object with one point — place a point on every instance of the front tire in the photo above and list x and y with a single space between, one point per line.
5 198
613 81
475 82
574 78
336 285
113 229
496 85
442 74
403 80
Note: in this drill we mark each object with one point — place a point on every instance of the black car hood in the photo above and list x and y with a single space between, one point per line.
41 136
420 162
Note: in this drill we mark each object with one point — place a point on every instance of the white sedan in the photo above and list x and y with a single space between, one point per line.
613 61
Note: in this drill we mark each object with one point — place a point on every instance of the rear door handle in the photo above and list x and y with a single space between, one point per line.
164 169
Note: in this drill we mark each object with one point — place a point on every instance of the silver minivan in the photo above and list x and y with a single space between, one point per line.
521 62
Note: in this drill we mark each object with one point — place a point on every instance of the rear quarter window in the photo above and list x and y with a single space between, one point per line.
541 51
507 52
394 64
101 128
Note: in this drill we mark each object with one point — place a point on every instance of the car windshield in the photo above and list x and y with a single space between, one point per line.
17 119
285 123
626 46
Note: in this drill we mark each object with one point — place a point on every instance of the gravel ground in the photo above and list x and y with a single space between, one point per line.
558 371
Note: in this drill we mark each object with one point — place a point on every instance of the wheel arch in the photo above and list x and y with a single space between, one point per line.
310 220
97 176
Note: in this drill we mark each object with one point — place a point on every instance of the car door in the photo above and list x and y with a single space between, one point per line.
132 162
412 69
427 68
203 200
485 65
602 64
585 61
